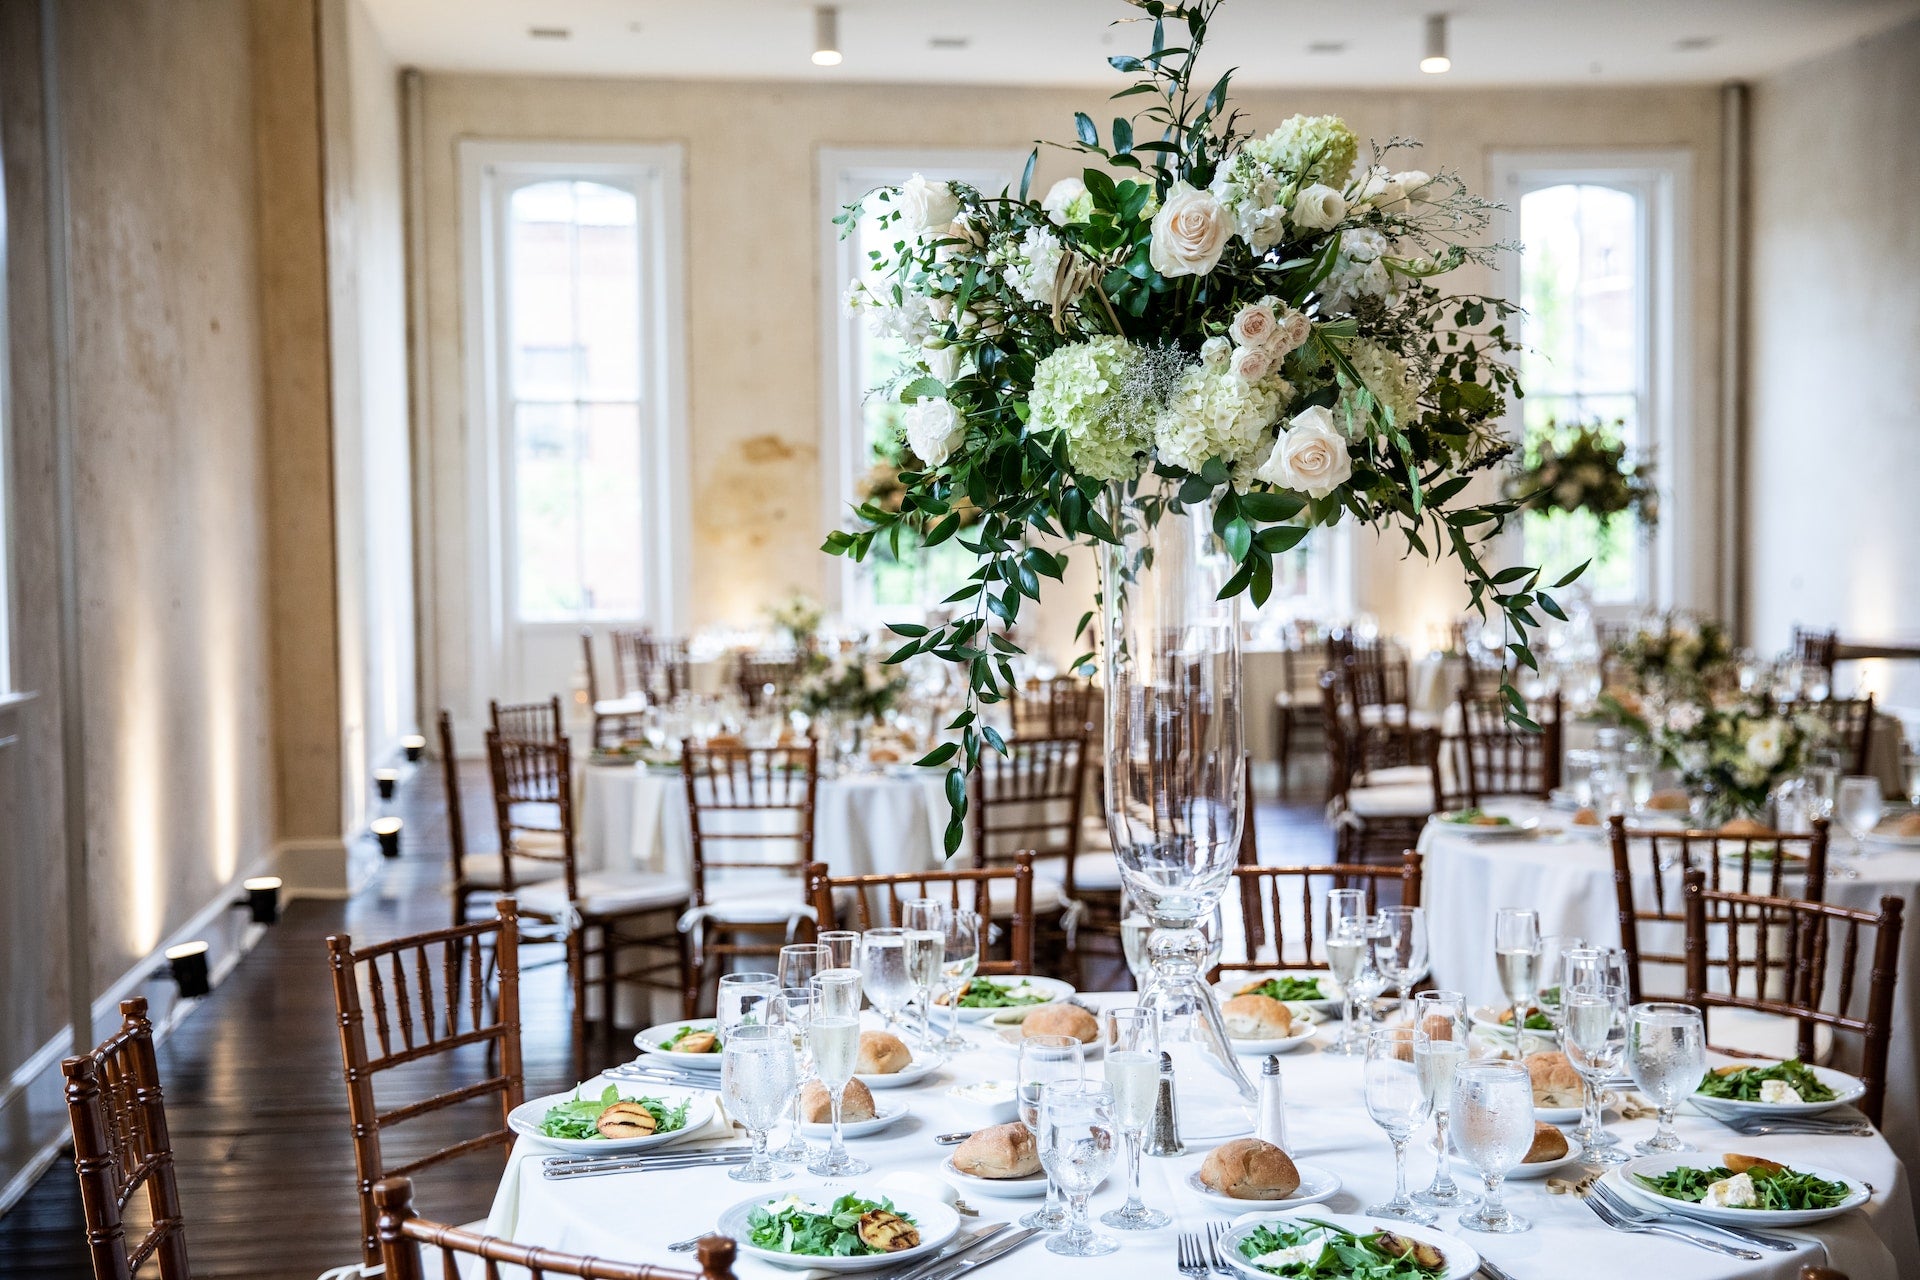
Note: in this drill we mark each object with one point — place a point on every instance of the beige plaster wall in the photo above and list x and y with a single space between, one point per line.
1833 456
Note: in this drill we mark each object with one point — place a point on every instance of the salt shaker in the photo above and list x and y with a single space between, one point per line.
1272 1126
1164 1138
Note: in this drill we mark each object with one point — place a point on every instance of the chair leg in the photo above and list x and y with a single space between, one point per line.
577 980
1283 746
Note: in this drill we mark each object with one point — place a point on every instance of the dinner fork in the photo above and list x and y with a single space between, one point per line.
1214 1231
1190 1257
1638 1213
1606 1215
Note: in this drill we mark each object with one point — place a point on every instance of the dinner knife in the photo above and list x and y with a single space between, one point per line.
999 1248
642 1166
657 1153
951 1253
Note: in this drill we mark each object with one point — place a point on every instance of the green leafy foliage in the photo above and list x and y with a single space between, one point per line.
792 1228
984 993
1284 988
1744 1084
1783 1188
1343 1254
576 1117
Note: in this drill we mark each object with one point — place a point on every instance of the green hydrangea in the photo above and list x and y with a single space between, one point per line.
1079 391
1385 375
1316 148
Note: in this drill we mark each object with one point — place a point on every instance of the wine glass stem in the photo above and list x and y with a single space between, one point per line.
1493 1211
836 1150
757 1166
1053 1199
1134 1144
1664 1130
1346 1020
1077 1228
1399 1170
1443 1175
1406 1005
1593 1107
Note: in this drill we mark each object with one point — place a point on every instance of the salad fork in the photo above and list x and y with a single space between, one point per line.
1606 1215
1190 1258
1214 1231
1637 1213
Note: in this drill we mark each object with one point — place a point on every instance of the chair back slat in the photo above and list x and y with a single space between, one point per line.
1283 906
535 773
1719 921
826 892
1029 800
528 721
762 681
456 817
749 807
1846 722
1487 757
396 976
1058 708
120 1146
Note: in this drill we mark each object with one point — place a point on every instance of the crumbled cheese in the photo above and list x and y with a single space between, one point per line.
1779 1091
1732 1193
1301 1255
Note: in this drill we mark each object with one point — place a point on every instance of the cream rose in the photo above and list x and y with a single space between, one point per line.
1309 457
1189 233
1295 328
933 429
1250 363
923 204
1255 325
1318 208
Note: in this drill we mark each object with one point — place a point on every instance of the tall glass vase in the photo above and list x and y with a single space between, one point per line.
1175 776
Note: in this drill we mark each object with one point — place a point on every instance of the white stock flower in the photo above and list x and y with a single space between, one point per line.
1215 352
933 430
1360 270
1189 233
1318 208
1309 457
924 204
1033 270
1068 201
911 321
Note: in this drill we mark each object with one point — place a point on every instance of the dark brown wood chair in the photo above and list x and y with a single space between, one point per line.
1062 707
1488 758
616 718
1818 650
1379 783
428 995
655 667
120 1145
1848 723
763 681
487 874
1277 906
751 814
402 1232
1778 955
1648 884
1029 801
621 927
968 888
527 721
1296 702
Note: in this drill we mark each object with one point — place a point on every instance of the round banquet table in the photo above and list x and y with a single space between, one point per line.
632 1217
1568 879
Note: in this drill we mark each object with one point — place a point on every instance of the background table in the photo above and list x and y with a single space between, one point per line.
632 1217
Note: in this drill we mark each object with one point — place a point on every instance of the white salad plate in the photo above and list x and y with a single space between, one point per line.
1846 1089
883 1116
937 1223
1512 828
1331 994
525 1120
1657 1166
650 1040
923 1065
1048 989
1299 1035
1462 1260
1027 1188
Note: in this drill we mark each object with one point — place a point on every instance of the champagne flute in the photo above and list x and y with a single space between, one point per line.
1076 1140
883 971
1667 1055
1398 1103
1860 806
1401 951
960 953
1441 1019
833 1034
757 1081
1551 975
793 1009
1596 1038
1516 954
743 1000
1133 1074
925 921
1371 980
843 947
1493 1127
1045 1060
1346 948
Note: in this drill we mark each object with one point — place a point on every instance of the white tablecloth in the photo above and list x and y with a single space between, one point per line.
1568 879
633 1216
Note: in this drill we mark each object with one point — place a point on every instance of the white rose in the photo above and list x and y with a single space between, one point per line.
1060 198
1251 364
923 204
1318 208
1215 353
942 362
1255 325
1189 233
1765 744
933 429
1309 457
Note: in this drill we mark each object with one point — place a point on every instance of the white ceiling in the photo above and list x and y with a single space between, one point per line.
1368 42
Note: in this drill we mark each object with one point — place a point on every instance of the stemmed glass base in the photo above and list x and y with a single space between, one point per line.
1444 1192
1174 986
1493 1217
1082 1244
1135 1217
1051 1218
838 1164
1402 1211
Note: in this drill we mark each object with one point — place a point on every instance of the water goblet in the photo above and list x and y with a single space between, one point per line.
1372 979
1516 954
960 957
843 947
1133 1074
925 921
833 1036
1595 1038
883 971
1859 805
1667 1055
757 1081
1045 1060
802 962
1493 1127
1400 953
793 1009
743 1000
1076 1140
1441 1019
1398 1104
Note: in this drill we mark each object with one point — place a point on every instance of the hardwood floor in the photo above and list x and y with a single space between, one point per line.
254 1092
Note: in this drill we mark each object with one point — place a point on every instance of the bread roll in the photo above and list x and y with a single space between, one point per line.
1062 1019
1249 1169
1257 1018
1907 825
626 1120
1437 1026
882 1054
1548 1144
1669 800
1586 816
1744 827
817 1108
1737 1163
1003 1151
1555 1082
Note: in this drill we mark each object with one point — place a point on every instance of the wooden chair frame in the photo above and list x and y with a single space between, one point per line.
823 888
1063 707
752 675
1683 851
527 721
121 1144
1492 758
1848 720
407 1035
609 728
1358 837
401 1232
1050 773
1261 888
1803 960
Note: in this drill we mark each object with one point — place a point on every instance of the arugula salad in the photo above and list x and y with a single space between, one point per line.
1316 1250
580 1117
1745 1083
1536 1019
708 1041
1477 818
984 993
1772 1187
1284 988
851 1227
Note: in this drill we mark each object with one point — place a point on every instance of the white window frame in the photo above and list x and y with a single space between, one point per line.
489 172
1662 179
846 174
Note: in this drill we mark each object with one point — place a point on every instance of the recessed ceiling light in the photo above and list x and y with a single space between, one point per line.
549 33
1693 44
948 42
1436 62
826 36
1327 46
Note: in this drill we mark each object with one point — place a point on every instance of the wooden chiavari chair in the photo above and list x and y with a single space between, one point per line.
1848 723
755 677
1295 703
614 719
968 888
1490 758
1777 957
527 721
120 1145
1059 708
402 1232
1818 650
428 998
629 670
651 666
751 810
1278 906
1648 871
1029 801
1380 786
473 873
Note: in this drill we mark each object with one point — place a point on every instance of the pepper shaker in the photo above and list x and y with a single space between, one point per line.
1164 1139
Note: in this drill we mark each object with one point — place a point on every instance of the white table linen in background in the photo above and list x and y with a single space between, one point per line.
1568 879
633 1216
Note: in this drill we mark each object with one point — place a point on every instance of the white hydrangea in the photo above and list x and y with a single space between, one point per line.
1387 376
1360 270
1077 391
1312 148
933 430
1217 414
1250 191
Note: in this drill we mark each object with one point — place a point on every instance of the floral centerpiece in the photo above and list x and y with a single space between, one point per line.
1733 752
1586 467
798 618
1674 657
851 682
1248 329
